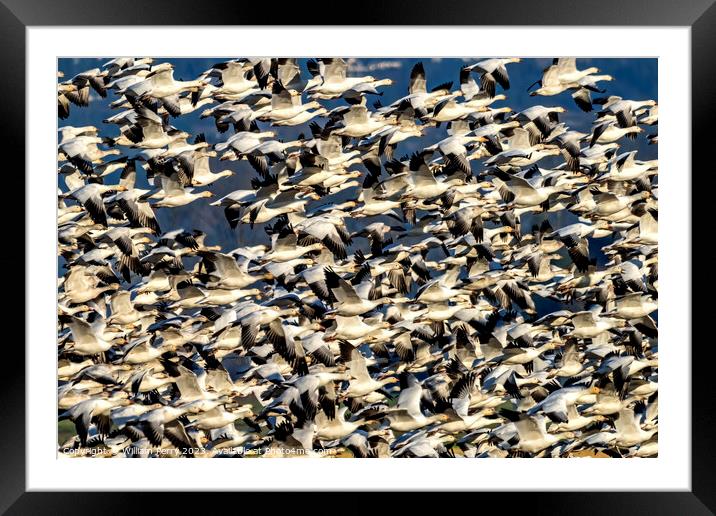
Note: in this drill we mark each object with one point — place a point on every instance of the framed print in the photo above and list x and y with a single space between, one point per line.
430 241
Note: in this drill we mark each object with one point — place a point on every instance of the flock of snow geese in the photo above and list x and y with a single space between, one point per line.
421 305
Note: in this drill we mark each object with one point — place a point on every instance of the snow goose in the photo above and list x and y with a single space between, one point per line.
459 401
119 82
284 247
418 83
628 430
69 133
533 435
77 89
238 114
149 131
235 77
90 196
294 440
464 219
123 311
136 210
226 271
624 110
442 311
578 230
219 417
523 351
524 194
550 83
449 109
83 284
539 120
375 203
145 381
418 98
519 151
285 70
582 96
196 166
119 64
288 201
635 305
608 131
227 438
540 267
576 421
336 427
71 365
567 70
173 194
556 404
440 289
589 324
493 71
242 143
302 117
83 152
349 303
160 423
354 328
91 339
359 122
94 411
331 78
649 115
472 93
608 203
160 84
223 296
407 416
286 104
391 136
423 444
623 367
626 167
454 151
607 402
423 183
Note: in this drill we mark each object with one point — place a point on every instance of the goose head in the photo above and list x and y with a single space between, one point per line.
439 418
550 151
383 82
119 399
388 378
245 409
488 412
161 67
565 435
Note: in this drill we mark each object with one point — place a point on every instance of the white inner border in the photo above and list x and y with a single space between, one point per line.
671 470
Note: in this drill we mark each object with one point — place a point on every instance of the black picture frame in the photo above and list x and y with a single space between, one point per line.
16 15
